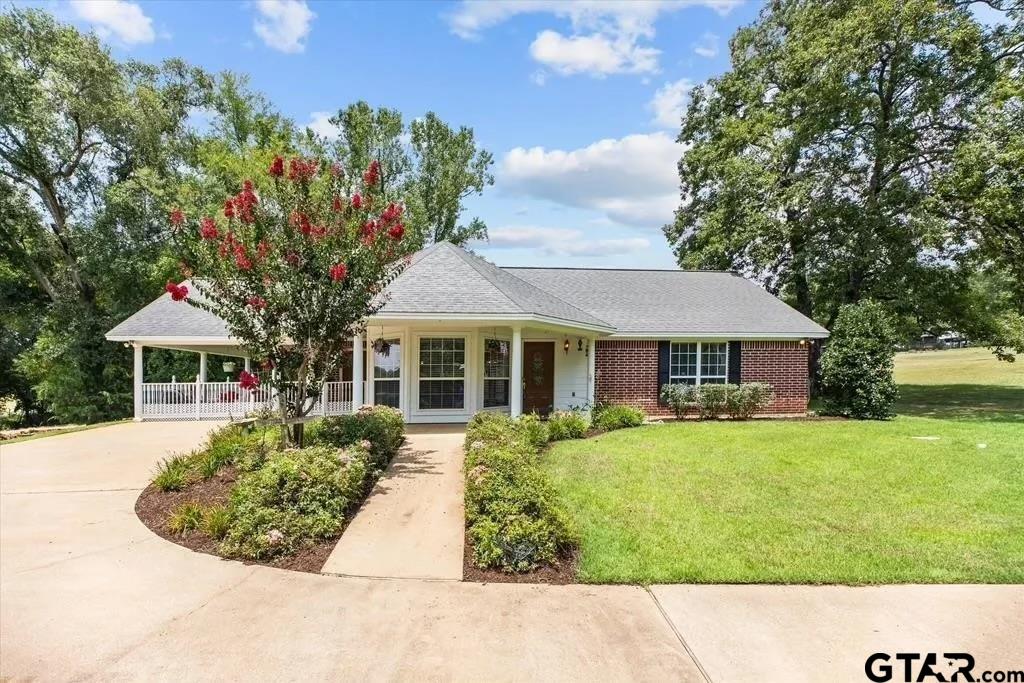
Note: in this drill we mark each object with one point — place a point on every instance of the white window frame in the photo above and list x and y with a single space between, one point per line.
698 375
485 378
420 378
401 368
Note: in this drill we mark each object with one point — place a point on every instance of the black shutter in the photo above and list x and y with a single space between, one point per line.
663 360
734 362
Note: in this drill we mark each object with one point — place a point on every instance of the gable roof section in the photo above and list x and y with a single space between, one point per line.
675 302
168 319
444 279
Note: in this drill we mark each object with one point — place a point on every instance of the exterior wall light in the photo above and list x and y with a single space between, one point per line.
579 344
565 346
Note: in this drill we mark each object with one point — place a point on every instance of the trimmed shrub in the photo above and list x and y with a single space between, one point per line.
748 399
679 397
711 399
567 424
382 426
514 519
173 473
611 416
857 364
186 517
296 498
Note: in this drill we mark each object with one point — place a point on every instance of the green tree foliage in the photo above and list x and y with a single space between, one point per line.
857 364
427 165
814 162
88 147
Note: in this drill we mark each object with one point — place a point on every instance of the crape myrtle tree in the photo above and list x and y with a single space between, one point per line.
294 263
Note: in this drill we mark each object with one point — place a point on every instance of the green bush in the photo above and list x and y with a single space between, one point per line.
514 519
567 424
382 426
611 416
857 364
679 397
298 497
173 473
534 429
711 399
748 399
186 517
216 521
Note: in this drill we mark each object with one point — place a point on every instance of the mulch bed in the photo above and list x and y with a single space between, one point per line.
561 575
154 507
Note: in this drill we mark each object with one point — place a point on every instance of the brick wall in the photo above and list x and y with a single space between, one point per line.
782 364
627 372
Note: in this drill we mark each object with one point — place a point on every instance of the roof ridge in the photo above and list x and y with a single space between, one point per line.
462 254
629 270
475 261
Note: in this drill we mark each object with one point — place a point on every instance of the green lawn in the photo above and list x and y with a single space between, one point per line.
917 499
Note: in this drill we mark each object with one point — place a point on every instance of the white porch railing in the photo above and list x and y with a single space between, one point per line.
219 400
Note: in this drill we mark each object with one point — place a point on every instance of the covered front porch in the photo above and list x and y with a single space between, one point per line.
438 370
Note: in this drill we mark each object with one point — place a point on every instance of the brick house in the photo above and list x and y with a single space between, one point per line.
458 334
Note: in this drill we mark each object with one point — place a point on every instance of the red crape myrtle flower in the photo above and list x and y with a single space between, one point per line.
396 231
208 229
257 302
338 272
229 209
177 292
300 170
337 205
357 201
277 167
245 202
248 381
372 174
177 217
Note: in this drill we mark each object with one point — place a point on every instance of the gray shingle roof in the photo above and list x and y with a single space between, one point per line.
678 302
444 279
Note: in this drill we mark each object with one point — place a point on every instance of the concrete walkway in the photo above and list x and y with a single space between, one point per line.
87 592
411 525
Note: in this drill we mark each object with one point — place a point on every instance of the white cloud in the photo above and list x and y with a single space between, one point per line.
607 35
632 180
669 103
118 18
283 24
559 242
707 46
597 54
319 123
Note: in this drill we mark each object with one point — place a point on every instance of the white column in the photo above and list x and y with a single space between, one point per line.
516 379
248 364
591 368
202 366
357 372
137 349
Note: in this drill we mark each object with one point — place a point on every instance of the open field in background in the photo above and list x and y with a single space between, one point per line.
936 495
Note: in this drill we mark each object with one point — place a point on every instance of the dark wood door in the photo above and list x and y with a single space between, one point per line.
538 377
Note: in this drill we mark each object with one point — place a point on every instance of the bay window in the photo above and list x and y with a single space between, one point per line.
497 360
698 362
442 381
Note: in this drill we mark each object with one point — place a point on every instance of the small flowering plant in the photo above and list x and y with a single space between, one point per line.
294 264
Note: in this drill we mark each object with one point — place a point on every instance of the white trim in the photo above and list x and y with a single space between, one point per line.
484 337
717 336
491 318
154 341
516 399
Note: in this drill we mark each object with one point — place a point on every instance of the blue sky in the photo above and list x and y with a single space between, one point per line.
578 102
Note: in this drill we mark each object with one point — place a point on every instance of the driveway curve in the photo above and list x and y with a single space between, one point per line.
87 591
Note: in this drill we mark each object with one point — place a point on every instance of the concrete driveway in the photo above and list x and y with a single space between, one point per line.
86 591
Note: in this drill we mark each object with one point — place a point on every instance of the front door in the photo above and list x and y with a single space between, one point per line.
538 377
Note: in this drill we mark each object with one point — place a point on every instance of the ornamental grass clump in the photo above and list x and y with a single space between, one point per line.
173 473
513 516
567 424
